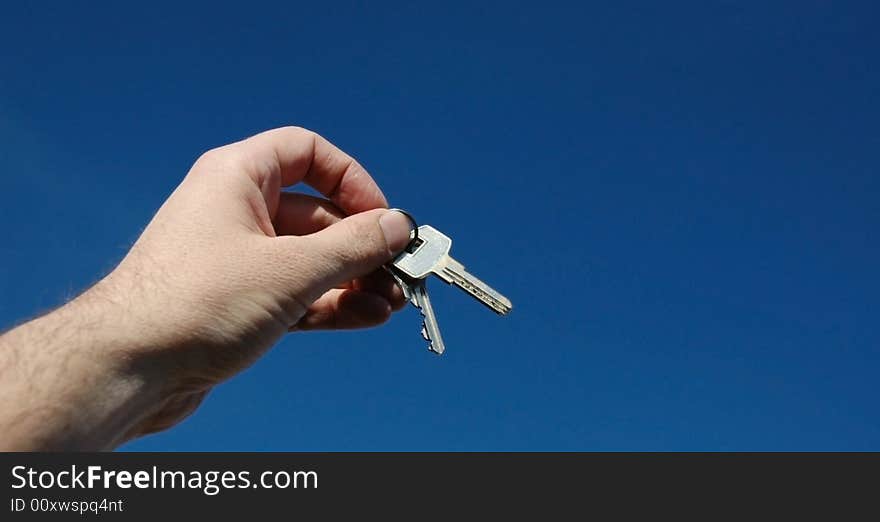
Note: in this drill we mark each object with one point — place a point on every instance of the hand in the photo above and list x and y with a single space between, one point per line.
228 265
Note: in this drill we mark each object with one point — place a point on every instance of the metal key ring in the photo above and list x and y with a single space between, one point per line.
414 234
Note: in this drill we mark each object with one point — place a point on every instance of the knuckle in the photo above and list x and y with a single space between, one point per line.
297 132
211 156
219 158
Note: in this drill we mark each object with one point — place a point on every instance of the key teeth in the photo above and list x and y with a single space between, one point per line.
428 337
410 295
425 334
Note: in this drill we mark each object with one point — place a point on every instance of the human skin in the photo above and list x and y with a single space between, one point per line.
228 265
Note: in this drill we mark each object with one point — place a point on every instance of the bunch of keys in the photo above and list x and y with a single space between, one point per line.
428 254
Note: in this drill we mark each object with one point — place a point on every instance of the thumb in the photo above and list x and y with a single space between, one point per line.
355 246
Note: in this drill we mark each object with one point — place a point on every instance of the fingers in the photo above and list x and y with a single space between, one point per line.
301 214
345 309
297 154
381 283
346 250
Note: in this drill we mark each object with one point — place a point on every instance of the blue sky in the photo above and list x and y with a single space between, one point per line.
680 199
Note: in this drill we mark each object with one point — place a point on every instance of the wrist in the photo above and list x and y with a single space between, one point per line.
75 378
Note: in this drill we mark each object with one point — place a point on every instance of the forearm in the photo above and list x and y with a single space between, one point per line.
69 381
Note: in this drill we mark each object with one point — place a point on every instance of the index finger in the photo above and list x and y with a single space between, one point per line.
295 154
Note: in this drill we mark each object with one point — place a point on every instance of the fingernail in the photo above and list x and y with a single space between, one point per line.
396 228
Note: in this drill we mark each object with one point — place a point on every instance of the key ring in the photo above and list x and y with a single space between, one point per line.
414 233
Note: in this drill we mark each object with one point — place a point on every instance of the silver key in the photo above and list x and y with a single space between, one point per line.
429 254
415 291
430 330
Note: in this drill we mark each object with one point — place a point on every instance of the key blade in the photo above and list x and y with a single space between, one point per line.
430 330
455 273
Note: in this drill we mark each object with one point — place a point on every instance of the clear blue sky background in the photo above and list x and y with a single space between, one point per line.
681 199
